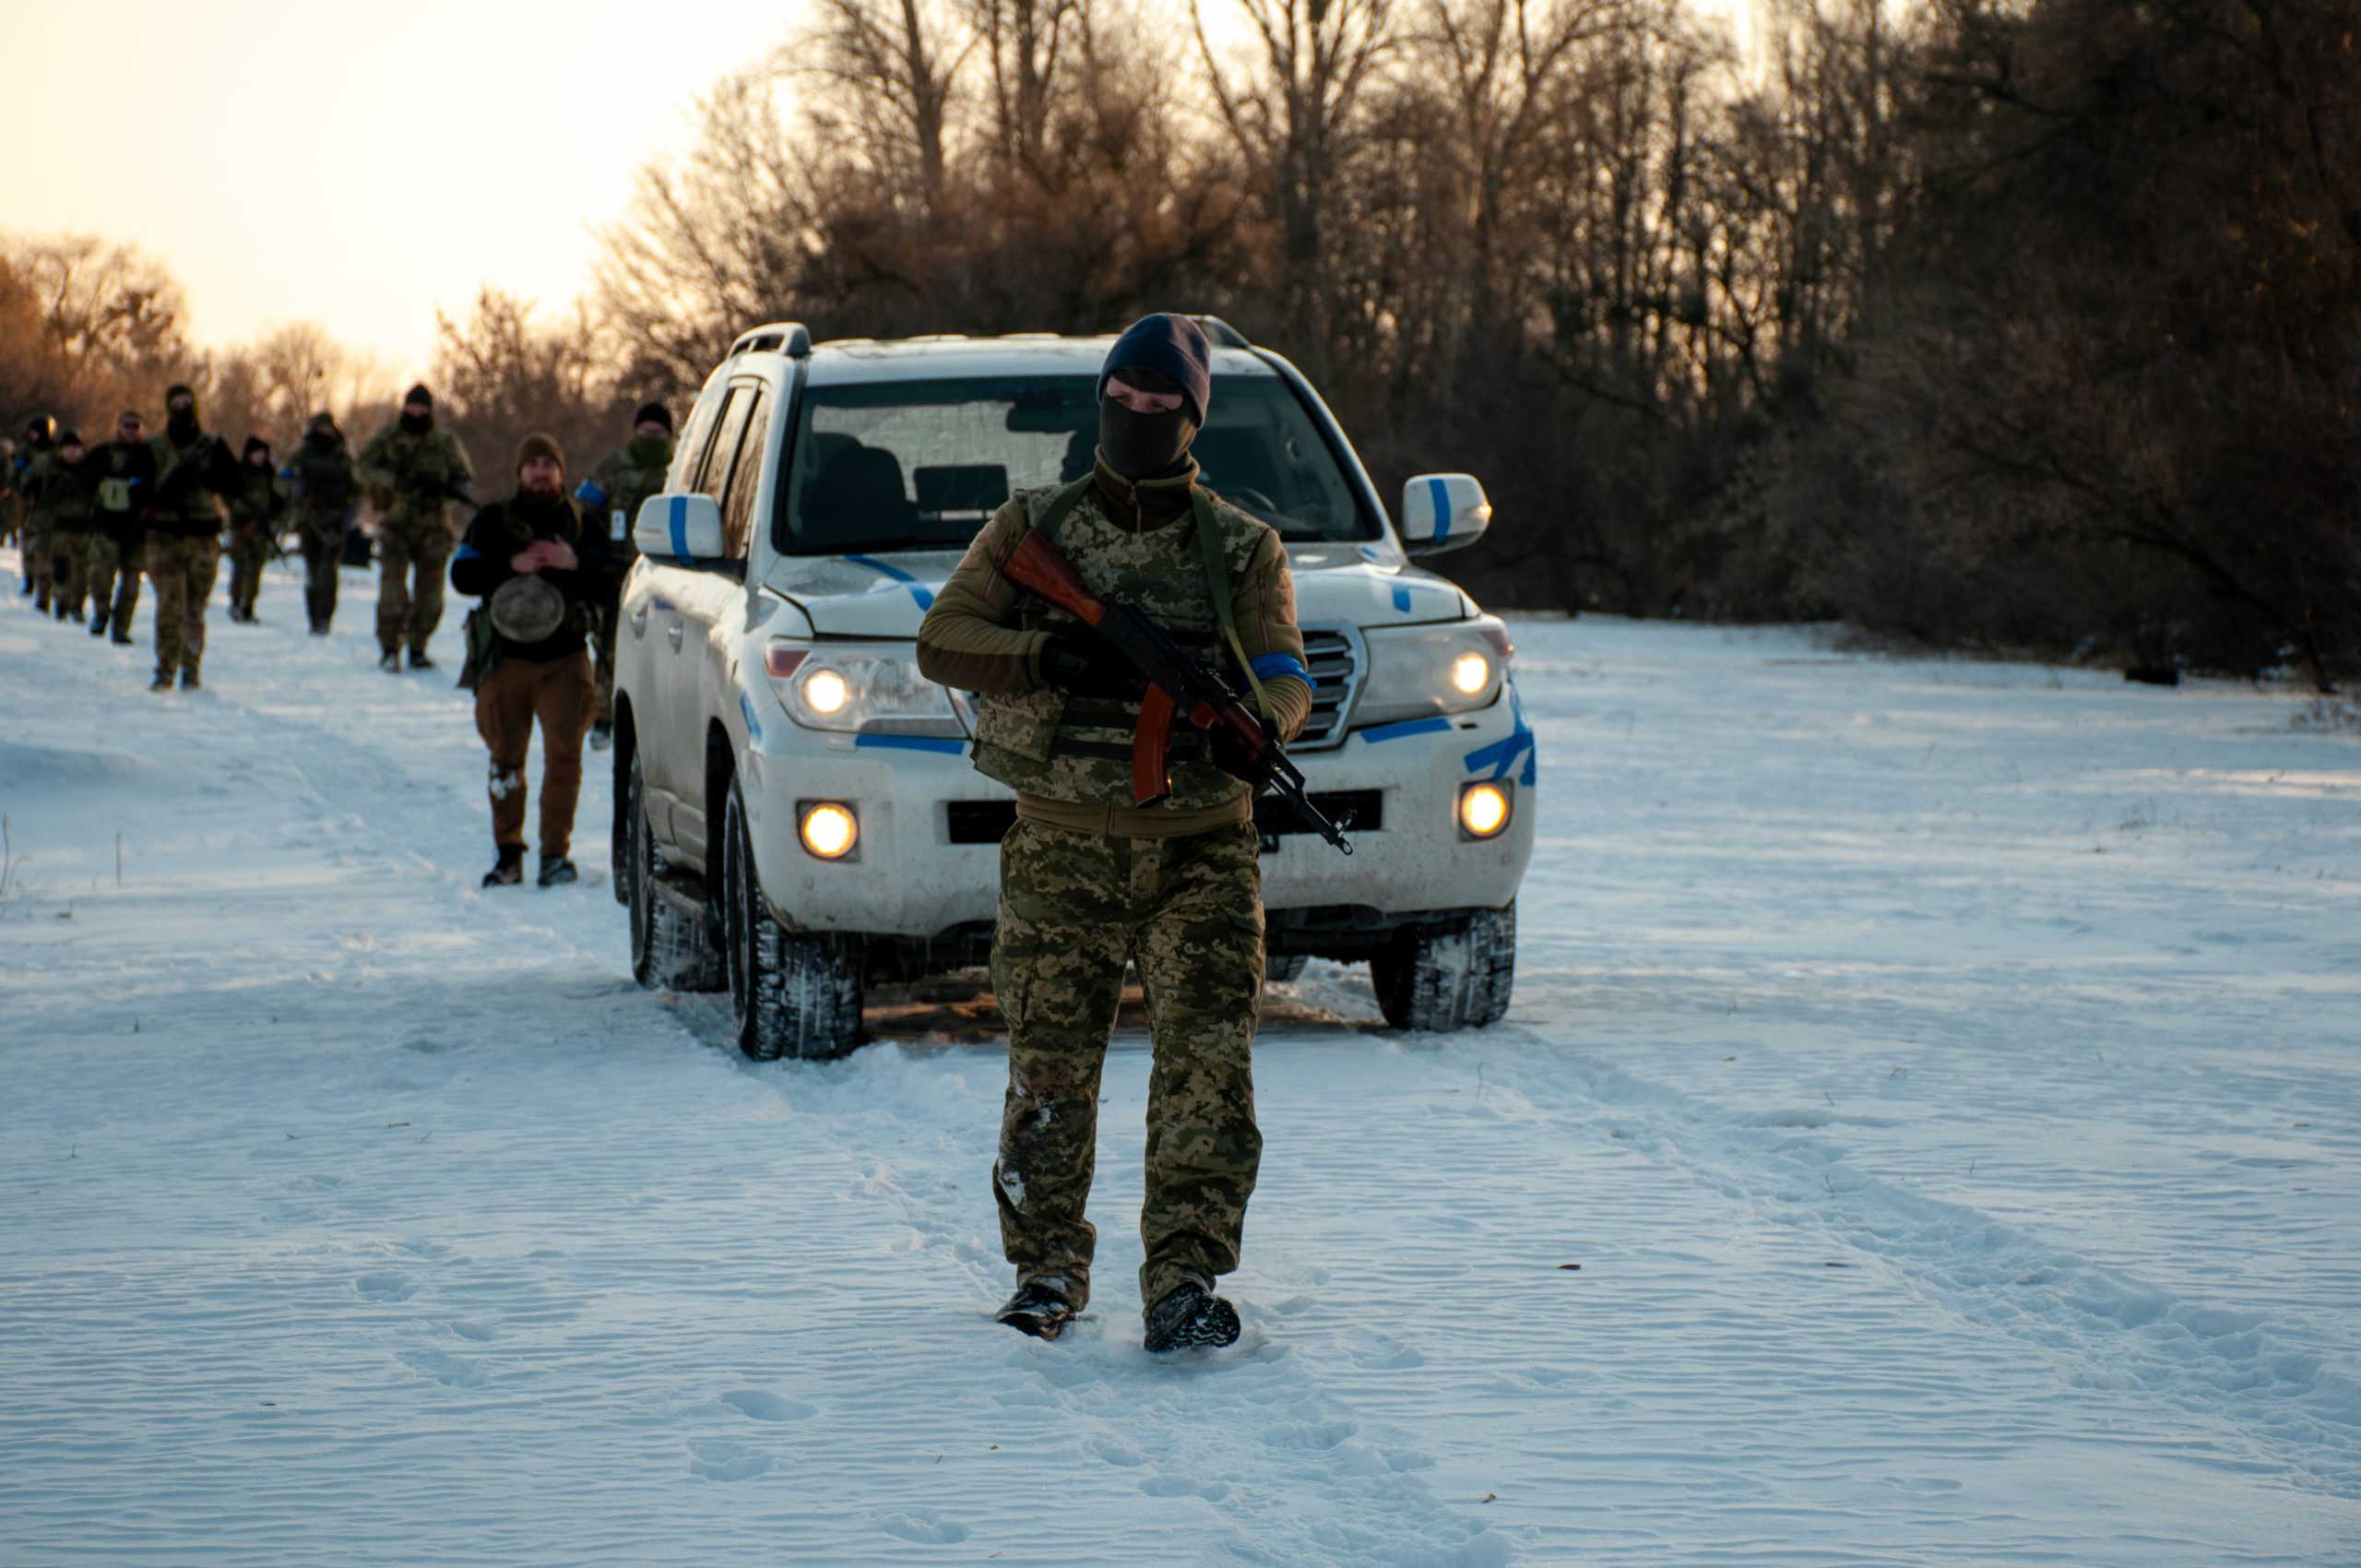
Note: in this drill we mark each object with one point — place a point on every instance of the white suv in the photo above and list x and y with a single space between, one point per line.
796 814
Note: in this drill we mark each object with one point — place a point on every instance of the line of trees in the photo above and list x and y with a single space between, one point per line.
2029 323
2025 322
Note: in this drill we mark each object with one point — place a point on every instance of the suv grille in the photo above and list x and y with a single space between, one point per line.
1337 662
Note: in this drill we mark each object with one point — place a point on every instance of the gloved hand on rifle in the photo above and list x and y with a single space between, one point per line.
1086 664
1231 755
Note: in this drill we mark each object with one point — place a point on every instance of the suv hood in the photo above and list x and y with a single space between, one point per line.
886 596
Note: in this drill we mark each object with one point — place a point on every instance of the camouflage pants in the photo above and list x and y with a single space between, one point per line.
32 546
514 693
69 582
249 552
411 553
1188 911
184 571
323 538
114 582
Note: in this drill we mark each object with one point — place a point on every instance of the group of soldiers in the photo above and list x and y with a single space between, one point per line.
91 519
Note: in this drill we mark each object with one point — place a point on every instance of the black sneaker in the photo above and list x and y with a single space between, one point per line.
1038 1308
1190 1316
554 871
509 870
390 663
418 659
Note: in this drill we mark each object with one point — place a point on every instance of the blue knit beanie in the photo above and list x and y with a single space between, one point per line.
1170 345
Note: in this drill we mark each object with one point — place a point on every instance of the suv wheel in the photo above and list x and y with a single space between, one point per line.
668 948
1448 976
790 993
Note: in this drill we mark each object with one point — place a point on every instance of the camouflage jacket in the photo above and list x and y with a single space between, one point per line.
1068 756
190 483
624 478
410 478
324 482
262 499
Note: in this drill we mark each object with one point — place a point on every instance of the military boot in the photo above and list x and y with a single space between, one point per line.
555 870
1038 1308
188 675
163 681
509 870
391 663
1190 1315
99 622
418 659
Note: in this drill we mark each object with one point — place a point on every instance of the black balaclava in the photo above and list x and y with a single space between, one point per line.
41 432
255 445
1142 446
1164 352
418 424
323 433
179 423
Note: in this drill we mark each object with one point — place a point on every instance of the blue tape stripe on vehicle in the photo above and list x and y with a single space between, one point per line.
1401 599
1407 727
680 521
1442 493
1271 666
910 744
1502 755
754 725
926 600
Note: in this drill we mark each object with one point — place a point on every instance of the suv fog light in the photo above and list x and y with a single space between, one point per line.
1471 672
1483 810
829 831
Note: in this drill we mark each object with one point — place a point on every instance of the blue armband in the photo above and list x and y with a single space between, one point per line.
590 494
1271 666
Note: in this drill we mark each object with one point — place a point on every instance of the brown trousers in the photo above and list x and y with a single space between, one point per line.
560 694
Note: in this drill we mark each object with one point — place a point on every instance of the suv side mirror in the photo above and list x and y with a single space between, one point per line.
1444 512
684 530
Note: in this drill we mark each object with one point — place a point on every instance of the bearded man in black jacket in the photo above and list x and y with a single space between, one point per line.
538 573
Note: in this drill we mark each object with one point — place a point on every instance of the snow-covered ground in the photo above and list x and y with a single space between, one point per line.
1946 1077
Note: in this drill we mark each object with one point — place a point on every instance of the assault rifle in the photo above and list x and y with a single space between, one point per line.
1177 688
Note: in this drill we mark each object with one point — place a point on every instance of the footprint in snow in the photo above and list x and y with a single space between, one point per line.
923 1526
761 1407
1179 1486
727 1461
385 1287
451 1372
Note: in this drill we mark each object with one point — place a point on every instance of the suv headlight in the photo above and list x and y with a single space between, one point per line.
1415 671
874 688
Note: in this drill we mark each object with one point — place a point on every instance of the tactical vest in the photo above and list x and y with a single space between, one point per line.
323 480
421 465
195 502
619 507
1053 743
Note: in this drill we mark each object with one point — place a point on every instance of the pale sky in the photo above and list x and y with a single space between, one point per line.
354 165
359 166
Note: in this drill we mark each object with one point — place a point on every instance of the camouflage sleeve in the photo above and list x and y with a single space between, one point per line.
969 639
374 469
1262 601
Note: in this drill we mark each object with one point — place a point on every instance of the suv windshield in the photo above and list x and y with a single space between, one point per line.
920 465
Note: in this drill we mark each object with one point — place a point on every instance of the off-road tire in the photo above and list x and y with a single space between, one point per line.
619 838
1454 976
668 950
790 993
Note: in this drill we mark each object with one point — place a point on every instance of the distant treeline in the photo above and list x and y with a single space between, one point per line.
2034 325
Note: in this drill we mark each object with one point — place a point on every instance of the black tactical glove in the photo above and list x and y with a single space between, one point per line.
1232 754
1086 664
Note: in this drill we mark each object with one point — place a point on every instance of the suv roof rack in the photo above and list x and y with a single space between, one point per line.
790 338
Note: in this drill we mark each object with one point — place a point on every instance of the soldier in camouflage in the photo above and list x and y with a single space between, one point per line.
194 471
255 510
320 471
609 499
34 454
66 498
125 472
411 472
1090 879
